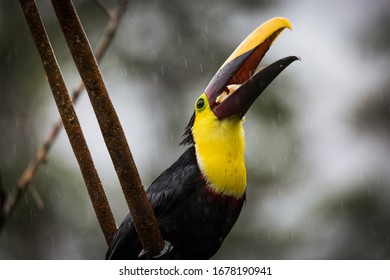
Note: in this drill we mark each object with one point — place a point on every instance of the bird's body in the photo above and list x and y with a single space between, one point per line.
198 199
190 214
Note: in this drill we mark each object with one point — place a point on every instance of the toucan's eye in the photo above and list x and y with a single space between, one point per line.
200 103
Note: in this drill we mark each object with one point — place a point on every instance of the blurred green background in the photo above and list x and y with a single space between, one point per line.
318 139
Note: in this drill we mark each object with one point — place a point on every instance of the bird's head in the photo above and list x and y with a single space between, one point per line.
216 125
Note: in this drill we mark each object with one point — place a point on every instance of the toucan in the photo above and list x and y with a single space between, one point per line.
198 199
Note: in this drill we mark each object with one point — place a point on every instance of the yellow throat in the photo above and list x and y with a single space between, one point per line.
220 146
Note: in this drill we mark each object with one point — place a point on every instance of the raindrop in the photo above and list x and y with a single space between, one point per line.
125 71
201 68
342 206
179 38
134 70
369 191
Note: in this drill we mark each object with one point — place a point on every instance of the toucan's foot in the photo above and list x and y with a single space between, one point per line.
165 251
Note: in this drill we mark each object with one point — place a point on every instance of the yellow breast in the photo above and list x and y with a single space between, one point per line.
220 146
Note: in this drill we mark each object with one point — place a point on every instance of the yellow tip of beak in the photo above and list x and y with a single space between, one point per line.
241 65
265 33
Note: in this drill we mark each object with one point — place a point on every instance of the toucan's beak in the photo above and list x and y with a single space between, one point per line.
237 84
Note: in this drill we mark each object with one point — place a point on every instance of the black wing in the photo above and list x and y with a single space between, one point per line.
175 184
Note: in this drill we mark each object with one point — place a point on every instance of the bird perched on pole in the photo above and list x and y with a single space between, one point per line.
198 199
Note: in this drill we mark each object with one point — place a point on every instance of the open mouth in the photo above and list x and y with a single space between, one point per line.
239 81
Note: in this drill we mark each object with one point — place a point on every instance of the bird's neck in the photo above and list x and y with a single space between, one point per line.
220 149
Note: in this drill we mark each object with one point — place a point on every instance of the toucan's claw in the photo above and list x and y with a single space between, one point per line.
168 247
165 251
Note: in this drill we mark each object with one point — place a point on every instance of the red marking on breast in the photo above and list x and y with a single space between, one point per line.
224 200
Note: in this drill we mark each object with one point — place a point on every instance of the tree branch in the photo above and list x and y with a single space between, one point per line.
104 7
10 201
144 220
69 118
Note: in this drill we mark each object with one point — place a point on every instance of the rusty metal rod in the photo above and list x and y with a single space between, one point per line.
144 220
69 118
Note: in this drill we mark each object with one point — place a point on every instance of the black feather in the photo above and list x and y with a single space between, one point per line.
188 138
192 217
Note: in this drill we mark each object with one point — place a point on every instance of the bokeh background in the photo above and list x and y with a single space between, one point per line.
318 139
